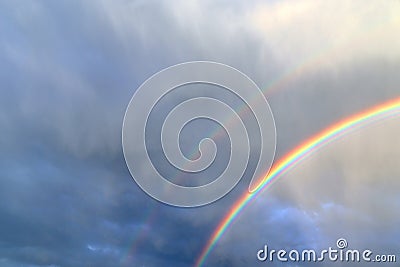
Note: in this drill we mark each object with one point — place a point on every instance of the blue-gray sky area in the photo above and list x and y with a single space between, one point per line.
69 68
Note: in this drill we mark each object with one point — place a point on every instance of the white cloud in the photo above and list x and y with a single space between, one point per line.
328 31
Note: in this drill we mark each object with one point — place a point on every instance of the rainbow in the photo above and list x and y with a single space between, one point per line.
282 81
295 156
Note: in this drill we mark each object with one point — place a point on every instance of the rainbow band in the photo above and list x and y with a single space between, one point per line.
294 157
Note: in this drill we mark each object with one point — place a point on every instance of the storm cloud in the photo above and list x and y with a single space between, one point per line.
69 68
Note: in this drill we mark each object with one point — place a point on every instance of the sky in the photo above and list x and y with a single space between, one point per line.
68 70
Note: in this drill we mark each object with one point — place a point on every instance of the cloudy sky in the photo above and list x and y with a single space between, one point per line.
69 68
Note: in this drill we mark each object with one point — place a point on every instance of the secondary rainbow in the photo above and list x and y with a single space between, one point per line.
291 159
